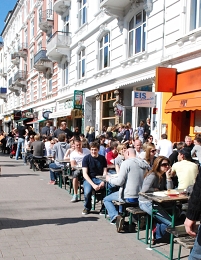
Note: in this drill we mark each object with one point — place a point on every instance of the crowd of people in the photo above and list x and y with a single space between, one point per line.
131 160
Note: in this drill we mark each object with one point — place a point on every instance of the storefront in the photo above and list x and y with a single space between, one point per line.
182 109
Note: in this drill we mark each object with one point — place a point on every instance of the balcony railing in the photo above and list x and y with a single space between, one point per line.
14 56
46 15
41 56
60 38
23 46
10 82
3 90
20 75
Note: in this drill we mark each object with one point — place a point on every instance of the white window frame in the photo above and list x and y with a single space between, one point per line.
137 27
40 85
66 24
65 73
103 46
82 12
49 86
39 46
81 62
31 60
194 15
32 28
31 92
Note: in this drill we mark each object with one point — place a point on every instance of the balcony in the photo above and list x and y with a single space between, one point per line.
41 61
23 50
20 78
46 21
58 46
3 73
3 92
15 59
61 6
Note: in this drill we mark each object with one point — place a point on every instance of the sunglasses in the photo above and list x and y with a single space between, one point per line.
153 151
165 164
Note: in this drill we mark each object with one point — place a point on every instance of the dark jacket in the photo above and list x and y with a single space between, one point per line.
45 130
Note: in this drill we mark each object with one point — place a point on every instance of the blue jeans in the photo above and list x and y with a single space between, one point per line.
112 211
53 175
162 218
20 147
88 191
196 251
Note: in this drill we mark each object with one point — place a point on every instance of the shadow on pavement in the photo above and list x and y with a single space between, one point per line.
7 223
18 175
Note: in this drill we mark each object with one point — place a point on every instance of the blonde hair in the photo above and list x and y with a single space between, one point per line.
91 130
87 128
109 129
120 147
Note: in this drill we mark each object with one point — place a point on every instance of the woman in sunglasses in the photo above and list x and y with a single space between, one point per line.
150 154
157 179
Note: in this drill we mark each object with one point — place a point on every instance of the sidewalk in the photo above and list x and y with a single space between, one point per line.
38 221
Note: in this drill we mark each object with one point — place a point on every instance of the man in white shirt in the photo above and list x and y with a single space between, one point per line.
76 158
138 149
164 146
185 170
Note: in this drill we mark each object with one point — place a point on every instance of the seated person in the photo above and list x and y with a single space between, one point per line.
197 148
120 158
38 148
129 179
58 152
93 165
184 169
158 178
76 158
111 155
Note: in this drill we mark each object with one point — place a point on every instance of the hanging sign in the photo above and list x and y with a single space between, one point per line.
143 99
77 100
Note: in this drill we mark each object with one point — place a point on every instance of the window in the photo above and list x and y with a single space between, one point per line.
81 64
39 46
195 14
31 60
49 85
32 28
82 12
137 34
104 52
49 5
39 15
25 37
39 87
66 23
31 92
65 73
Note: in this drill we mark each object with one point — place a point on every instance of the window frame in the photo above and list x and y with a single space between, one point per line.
32 28
40 85
49 86
194 23
65 73
101 49
133 44
82 12
81 61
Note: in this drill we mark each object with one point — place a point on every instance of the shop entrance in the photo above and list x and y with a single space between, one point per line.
180 125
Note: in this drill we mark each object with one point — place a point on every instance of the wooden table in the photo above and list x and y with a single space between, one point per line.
158 200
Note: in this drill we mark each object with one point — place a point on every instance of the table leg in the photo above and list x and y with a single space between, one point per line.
171 235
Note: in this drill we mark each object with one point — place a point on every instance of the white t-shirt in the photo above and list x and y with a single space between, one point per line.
78 157
165 147
140 154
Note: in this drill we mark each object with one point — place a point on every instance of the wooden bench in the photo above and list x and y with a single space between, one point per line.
182 238
138 213
59 172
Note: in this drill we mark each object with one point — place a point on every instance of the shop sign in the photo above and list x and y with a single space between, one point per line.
17 114
183 103
77 100
46 114
7 119
143 99
29 115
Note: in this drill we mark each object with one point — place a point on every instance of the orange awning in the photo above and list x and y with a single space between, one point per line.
182 102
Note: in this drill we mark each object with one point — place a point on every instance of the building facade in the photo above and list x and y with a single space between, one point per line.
109 49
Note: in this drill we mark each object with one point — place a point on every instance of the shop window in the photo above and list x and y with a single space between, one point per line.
108 116
137 34
195 14
81 64
82 12
104 52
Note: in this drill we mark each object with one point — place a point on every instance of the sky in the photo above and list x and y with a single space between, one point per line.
5 7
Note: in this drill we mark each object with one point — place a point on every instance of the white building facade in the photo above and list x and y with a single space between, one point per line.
105 48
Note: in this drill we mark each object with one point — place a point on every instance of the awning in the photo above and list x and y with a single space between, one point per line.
41 120
21 120
182 102
32 122
65 112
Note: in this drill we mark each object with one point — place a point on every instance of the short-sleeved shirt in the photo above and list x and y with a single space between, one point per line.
78 157
95 165
111 156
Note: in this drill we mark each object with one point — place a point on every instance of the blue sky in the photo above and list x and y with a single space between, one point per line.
5 7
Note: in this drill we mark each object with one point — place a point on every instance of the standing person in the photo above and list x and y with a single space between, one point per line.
140 131
76 158
92 166
63 130
193 215
58 152
164 146
21 140
147 129
46 129
129 179
189 142
91 135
